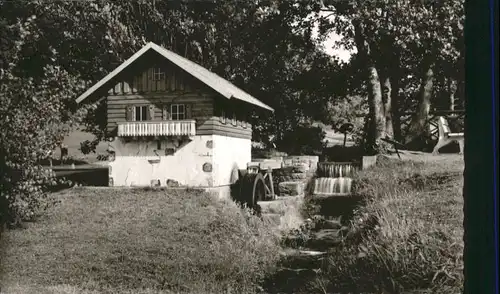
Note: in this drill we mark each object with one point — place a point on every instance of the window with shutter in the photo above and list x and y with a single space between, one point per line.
189 111
221 113
166 112
130 113
233 119
222 116
151 112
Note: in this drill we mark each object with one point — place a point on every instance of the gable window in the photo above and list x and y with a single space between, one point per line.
141 113
178 111
158 74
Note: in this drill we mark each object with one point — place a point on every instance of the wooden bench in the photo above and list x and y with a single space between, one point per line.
446 136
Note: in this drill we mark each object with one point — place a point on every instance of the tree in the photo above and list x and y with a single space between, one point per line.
34 117
395 39
438 41
264 47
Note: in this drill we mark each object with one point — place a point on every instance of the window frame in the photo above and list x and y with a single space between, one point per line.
178 113
143 111
158 74
234 118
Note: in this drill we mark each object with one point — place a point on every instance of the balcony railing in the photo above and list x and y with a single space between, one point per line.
157 128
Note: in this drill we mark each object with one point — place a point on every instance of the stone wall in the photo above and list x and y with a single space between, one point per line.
293 178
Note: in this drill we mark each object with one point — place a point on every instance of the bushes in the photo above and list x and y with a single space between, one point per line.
304 140
414 241
342 154
34 117
352 110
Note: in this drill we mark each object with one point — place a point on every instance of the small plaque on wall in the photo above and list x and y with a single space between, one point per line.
111 156
207 167
169 151
210 144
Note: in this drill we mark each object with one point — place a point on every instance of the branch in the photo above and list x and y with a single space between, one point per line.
328 15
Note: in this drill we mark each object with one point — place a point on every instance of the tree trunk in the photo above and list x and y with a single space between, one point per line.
417 128
387 102
452 89
376 117
375 96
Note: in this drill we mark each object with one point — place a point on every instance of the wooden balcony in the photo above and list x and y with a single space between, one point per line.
157 128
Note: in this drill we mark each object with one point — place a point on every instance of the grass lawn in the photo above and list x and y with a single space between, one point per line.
151 241
138 241
408 237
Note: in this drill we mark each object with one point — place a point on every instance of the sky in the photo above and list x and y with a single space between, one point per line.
329 44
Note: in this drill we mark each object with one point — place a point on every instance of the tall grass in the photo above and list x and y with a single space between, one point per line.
138 241
407 237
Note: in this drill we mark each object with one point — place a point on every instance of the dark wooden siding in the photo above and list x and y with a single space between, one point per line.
201 106
139 78
216 126
230 119
137 86
145 83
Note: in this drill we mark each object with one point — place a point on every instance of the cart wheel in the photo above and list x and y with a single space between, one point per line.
259 189
246 189
252 189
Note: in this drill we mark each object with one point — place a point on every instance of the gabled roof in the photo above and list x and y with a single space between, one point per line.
220 85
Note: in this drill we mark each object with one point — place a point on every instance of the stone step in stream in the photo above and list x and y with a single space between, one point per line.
332 190
291 188
281 204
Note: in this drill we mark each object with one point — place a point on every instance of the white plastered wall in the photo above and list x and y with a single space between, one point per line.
184 166
229 153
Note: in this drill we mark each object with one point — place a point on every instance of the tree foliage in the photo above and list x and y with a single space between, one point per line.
35 114
407 52
402 46
52 50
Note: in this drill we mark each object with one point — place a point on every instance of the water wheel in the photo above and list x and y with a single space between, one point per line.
252 189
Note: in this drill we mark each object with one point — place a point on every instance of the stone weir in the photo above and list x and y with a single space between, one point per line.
331 192
328 184
329 189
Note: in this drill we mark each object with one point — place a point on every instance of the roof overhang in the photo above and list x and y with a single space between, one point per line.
212 80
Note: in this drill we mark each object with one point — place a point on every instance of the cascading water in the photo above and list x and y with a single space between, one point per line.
335 169
334 178
332 186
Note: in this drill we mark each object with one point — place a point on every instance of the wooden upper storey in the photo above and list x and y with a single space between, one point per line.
155 90
158 92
